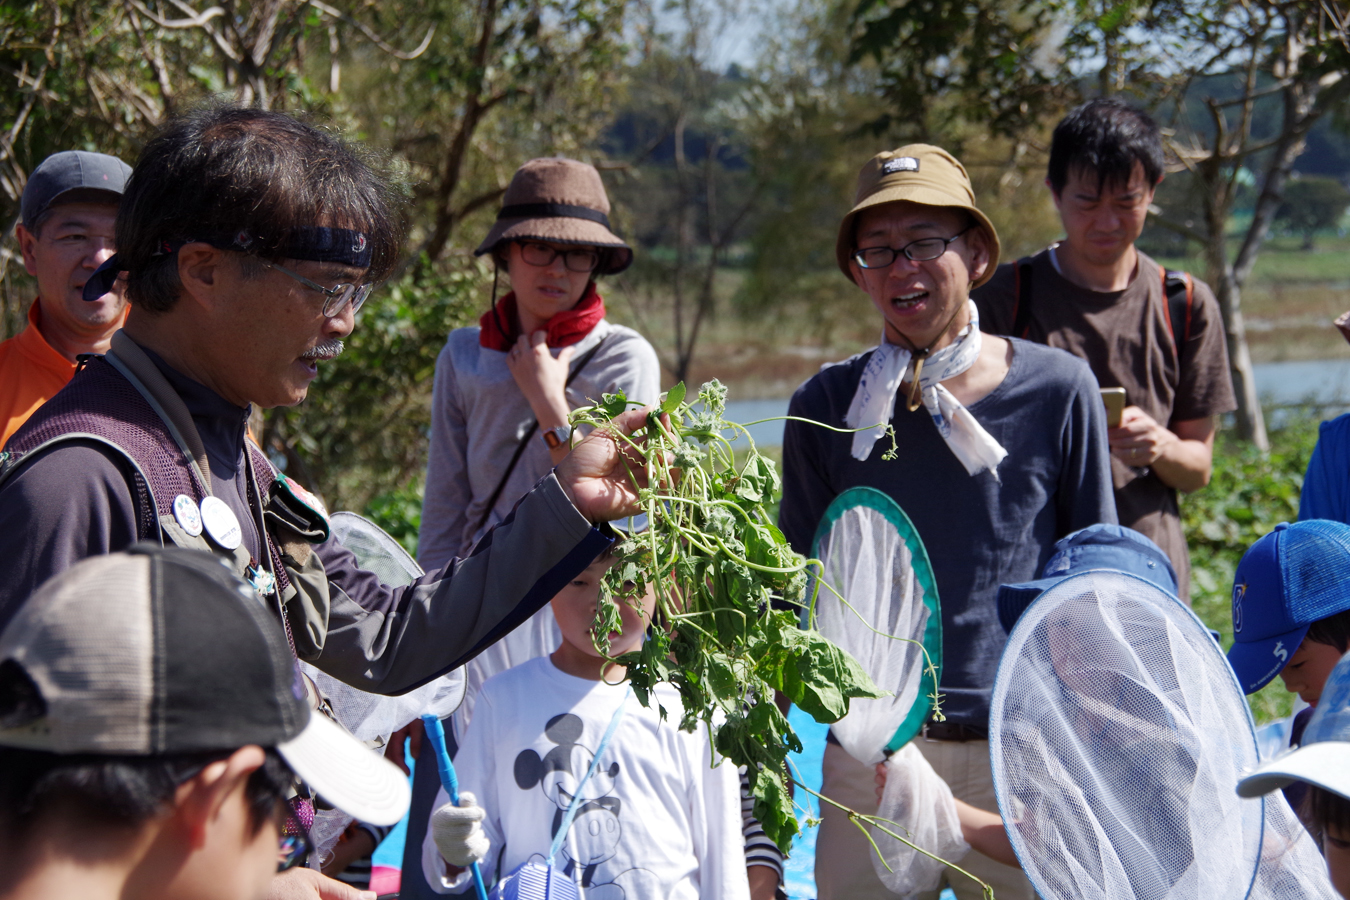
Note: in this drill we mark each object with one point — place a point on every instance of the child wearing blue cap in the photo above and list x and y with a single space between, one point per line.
1291 614
1291 607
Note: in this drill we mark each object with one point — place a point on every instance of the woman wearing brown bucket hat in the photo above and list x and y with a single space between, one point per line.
503 389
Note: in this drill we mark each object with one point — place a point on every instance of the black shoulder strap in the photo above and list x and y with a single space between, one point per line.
1022 288
1179 288
529 433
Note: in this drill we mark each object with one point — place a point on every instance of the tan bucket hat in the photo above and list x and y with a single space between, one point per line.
919 173
561 201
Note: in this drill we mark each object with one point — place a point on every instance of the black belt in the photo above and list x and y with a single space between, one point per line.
938 731
954 731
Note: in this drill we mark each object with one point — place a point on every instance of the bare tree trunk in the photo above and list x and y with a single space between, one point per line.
1251 422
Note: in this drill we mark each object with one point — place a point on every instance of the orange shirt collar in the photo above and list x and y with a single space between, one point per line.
33 345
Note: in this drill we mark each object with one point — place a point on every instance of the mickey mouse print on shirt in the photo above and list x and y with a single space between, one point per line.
597 827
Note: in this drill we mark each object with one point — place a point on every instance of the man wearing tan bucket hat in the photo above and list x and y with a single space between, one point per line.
1000 451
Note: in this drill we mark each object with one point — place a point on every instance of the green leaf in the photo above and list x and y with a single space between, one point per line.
674 397
613 404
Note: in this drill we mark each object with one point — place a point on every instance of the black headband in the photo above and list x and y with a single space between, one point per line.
310 242
552 211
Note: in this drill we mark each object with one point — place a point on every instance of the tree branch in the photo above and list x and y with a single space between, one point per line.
372 36
479 202
1156 217
195 20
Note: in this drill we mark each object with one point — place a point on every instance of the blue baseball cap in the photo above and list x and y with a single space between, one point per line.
1323 757
1094 547
1287 580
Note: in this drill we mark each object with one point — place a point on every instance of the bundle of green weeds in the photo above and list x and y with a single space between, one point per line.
730 594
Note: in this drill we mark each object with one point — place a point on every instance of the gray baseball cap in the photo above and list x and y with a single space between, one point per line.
162 651
73 176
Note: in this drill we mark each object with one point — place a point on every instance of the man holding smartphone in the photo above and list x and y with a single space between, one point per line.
1156 334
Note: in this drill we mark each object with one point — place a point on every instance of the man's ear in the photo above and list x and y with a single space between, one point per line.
200 800
857 271
979 253
28 246
200 267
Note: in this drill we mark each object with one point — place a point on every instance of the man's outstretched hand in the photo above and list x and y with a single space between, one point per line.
306 884
598 474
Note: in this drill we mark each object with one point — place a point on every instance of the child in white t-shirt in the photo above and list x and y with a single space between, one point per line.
656 820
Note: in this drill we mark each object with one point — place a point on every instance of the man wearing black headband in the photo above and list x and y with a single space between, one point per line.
249 241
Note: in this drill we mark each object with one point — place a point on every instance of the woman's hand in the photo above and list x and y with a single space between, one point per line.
543 381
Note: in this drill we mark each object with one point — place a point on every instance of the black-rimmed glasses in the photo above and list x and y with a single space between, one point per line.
921 250
337 296
581 259
295 843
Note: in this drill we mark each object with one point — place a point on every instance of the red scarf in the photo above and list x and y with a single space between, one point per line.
565 328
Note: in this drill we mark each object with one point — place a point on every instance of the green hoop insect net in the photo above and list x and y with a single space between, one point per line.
872 555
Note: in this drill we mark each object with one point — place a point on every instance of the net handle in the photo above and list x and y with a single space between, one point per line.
581 785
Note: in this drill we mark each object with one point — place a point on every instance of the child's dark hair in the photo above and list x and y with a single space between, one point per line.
1334 631
1324 809
118 791
1105 137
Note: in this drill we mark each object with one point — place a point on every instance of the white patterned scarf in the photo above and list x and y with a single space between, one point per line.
874 401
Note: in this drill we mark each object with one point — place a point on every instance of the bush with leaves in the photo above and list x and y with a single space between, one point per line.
1249 494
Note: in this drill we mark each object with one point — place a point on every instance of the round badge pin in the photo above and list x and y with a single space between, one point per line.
188 515
221 524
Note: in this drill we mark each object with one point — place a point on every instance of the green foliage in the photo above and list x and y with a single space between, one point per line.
729 594
1248 495
942 62
400 514
1311 204
362 432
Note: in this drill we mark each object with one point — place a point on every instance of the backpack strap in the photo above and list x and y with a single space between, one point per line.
1021 325
1179 291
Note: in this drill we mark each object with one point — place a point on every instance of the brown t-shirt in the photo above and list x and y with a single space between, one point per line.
1126 338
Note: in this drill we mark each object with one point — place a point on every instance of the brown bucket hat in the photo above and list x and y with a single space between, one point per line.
919 173
561 201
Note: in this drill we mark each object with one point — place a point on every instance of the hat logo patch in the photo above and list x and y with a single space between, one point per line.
1279 651
1238 591
359 244
900 164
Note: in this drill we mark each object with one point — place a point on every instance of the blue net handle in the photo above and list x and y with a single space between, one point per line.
581 785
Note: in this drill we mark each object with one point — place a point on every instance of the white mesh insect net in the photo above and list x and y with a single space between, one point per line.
371 717
874 558
1117 737
1291 865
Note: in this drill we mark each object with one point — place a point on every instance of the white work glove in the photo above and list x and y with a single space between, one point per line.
458 832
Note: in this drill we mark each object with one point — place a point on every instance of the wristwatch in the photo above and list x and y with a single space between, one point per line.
556 437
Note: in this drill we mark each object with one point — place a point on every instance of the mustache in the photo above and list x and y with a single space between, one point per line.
326 350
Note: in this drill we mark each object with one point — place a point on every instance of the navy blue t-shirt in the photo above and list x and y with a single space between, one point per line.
979 532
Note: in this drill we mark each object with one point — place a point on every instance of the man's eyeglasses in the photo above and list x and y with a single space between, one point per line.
579 260
295 844
337 296
918 251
